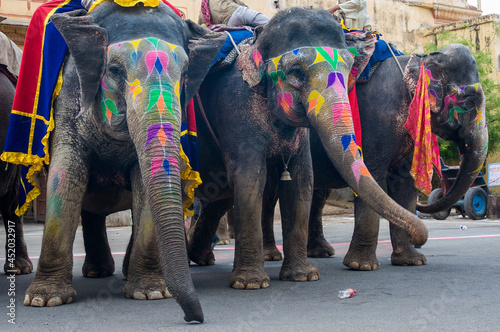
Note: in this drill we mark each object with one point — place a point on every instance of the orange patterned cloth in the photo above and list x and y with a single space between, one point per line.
426 151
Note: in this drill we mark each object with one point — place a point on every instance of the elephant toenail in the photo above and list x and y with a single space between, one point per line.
54 302
238 285
38 302
139 295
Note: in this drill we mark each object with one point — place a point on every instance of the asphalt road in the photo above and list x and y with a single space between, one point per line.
458 290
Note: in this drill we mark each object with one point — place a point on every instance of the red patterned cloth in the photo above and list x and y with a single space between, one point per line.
205 11
426 151
353 101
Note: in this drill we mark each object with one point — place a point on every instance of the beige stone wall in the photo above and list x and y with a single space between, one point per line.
19 10
481 31
402 22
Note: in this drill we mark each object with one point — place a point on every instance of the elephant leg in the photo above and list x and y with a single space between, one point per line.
230 222
248 181
295 198
66 186
317 246
223 231
99 262
145 279
126 259
403 191
362 250
202 231
271 252
15 245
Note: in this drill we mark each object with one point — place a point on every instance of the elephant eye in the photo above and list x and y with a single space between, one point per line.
116 71
296 76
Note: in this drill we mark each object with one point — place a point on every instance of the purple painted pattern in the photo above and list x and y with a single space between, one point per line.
154 70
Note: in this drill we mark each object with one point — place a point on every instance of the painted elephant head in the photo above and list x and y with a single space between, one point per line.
458 112
137 68
305 74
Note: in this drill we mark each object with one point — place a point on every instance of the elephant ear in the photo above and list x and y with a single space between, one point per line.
204 45
252 68
250 62
87 43
433 69
362 48
433 72
412 72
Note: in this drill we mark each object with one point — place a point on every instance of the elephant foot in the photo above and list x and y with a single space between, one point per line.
319 248
272 254
362 258
201 257
45 293
407 256
248 278
302 272
146 288
98 270
22 265
224 242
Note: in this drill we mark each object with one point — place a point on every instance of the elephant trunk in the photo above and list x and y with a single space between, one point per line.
159 161
337 137
170 235
472 162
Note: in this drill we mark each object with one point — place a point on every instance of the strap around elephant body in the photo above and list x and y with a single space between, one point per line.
204 115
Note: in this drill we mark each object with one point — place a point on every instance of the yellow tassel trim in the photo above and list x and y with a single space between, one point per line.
194 180
129 3
35 162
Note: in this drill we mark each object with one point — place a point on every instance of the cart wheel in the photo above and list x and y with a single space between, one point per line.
475 203
436 195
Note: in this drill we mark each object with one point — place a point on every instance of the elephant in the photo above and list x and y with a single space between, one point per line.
294 76
116 145
456 115
15 246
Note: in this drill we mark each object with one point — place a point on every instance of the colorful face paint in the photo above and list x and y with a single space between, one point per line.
321 74
452 102
327 69
153 73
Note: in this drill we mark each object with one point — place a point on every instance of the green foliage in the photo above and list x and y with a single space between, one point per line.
485 65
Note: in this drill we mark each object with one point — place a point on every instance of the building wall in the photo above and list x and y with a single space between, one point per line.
481 31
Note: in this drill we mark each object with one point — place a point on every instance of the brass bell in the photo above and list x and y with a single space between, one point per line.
285 176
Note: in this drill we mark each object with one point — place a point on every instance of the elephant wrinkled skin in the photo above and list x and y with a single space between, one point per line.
116 145
457 115
294 76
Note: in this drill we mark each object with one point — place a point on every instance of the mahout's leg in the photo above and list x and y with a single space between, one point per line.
99 262
317 246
